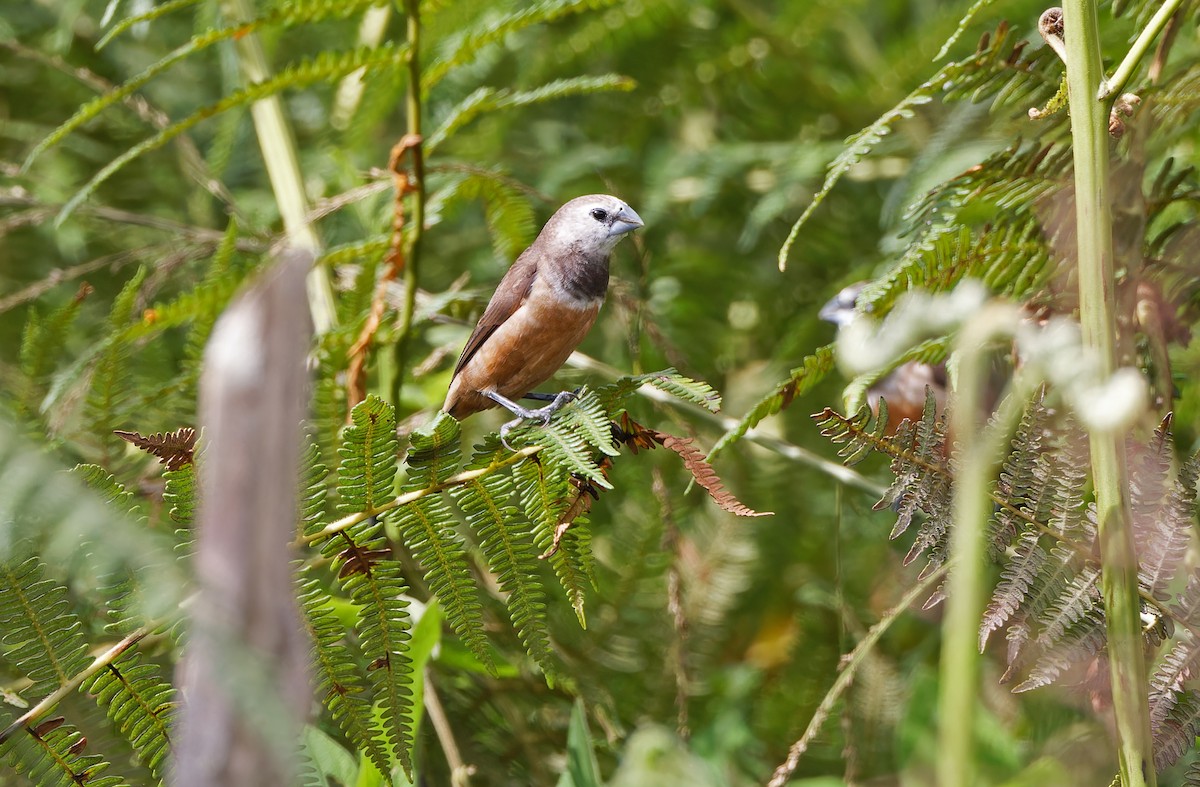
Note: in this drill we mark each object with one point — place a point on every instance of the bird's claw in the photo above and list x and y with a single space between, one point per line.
541 414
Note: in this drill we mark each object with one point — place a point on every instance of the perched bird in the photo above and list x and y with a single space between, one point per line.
904 388
541 310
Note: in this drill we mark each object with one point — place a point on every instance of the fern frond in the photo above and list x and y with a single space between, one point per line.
168 7
110 387
140 704
802 379
374 581
1163 523
105 483
174 449
286 14
42 340
544 496
337 675
1016 579
509 216
385 628
1012 260
426 528
495 28
1177 667
1176 734
181 496
487 502
367 472
43 638
325 67
486 99
52 755
1080 599
1085 640
997 68
311 505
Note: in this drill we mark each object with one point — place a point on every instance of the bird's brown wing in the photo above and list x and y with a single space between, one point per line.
510 294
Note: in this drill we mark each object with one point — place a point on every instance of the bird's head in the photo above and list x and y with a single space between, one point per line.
839 310
593 224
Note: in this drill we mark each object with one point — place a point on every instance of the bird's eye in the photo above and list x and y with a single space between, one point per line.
599 214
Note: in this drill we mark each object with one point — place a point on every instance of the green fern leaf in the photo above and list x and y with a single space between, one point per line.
180 495
42 637
338 676
168 7
52 755
140 704
42 341
105 483
286 14
425 526
485 100
325 67
496 28
385 629
510 552
110 388
367 473
545 497
995 69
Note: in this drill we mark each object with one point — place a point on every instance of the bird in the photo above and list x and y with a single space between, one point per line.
905 387
541 311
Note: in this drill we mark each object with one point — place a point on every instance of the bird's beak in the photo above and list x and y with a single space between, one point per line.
626 220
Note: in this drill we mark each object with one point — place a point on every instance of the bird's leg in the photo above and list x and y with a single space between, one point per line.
537 396
523 413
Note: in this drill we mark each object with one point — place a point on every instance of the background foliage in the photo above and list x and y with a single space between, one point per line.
710 639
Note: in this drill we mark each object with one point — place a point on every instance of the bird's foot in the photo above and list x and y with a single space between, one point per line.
542 414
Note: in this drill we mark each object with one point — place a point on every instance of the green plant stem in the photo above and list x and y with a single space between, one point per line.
283 167
1116 83
850 667
980 451
412 102
1089 132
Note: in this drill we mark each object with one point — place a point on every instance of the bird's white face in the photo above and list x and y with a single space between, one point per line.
594 223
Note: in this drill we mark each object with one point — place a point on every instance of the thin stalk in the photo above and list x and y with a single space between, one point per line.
283 167
1116 83
851 663
1089 132
980 451
412 103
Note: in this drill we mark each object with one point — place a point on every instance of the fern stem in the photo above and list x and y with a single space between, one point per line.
850 669
412 102
1116 83
68 687
283 167
346 522
838 472
980 451
1089 133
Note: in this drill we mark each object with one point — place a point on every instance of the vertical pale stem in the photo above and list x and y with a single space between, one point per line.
1089 132
283 167
979 452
